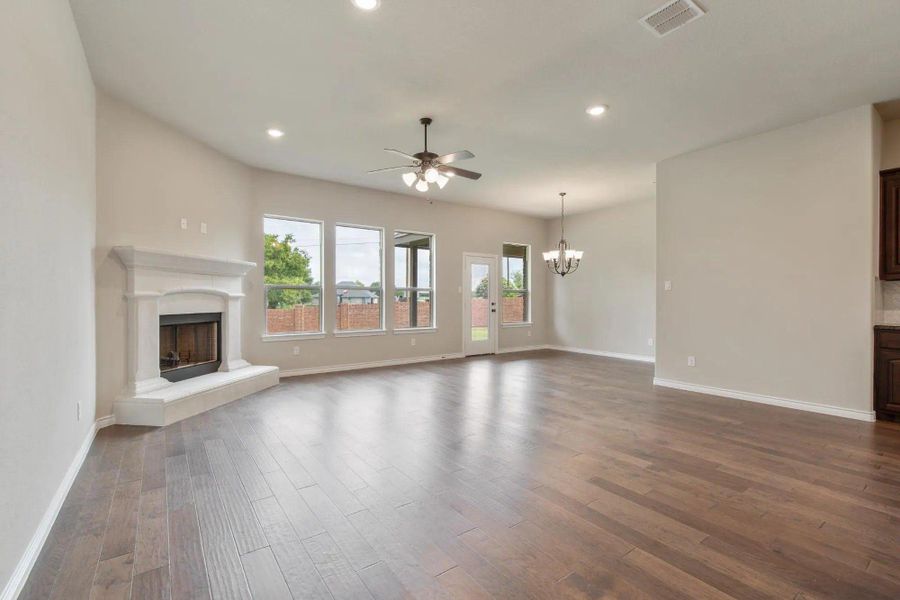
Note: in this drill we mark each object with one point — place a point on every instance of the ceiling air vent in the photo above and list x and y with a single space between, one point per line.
671 16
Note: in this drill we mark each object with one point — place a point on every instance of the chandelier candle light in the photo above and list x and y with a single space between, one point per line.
563 260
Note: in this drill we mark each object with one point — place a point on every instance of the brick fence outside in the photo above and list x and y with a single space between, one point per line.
305 318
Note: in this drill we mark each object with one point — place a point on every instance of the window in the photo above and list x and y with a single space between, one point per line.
413 280
514 306
358 269
293 276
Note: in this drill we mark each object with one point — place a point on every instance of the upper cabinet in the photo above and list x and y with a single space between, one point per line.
889 268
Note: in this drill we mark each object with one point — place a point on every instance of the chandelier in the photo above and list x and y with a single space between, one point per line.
563 260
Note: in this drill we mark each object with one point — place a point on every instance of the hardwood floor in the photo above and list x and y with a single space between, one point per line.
534 475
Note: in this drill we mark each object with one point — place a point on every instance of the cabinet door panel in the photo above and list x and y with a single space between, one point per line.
890 225
887 381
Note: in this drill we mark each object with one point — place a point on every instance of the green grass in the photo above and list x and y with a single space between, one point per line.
479 334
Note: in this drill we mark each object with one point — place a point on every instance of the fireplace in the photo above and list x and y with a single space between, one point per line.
190 345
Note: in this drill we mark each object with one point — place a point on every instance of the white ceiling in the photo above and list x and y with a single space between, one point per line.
507 79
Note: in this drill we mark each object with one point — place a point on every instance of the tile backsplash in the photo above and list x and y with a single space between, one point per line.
890 295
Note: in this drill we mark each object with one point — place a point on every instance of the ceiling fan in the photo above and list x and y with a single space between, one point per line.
428 167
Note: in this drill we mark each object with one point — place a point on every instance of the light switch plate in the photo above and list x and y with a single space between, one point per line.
203 228
667 285
183 223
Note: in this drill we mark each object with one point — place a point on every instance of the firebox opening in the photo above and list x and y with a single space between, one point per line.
189 345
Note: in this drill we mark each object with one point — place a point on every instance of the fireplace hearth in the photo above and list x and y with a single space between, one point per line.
189 345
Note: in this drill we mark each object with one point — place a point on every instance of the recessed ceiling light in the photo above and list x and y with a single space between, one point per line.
597 110
275 133
366 4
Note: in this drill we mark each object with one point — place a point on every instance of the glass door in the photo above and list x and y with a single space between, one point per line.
480 305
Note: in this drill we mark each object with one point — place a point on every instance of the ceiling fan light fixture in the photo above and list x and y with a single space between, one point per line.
422 185
597 110
366 4
442 181
431 175
409 179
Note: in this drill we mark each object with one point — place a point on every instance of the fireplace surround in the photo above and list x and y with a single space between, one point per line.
164 288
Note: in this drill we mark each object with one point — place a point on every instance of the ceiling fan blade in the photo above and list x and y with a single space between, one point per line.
403 154
459 172
393 168
453 157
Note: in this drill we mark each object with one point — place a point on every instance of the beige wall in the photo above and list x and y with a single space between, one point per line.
609 304
768 244
150 175
47 211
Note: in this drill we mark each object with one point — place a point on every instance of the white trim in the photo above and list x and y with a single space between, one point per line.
144 258
287 337
359 332
36 544
369 365
620 355
519 324
512 349
409 330
825 409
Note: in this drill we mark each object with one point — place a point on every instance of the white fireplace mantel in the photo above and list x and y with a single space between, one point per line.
160 283
143 258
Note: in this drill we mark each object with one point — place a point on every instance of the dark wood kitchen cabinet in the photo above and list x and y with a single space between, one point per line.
887 372
889 264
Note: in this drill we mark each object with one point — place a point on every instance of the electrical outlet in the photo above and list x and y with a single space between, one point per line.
202 227
412 341
296 350
667 285
650 342
692 362
78 411
183 223
529 333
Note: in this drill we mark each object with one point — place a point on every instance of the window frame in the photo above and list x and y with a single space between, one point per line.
431 290
297 335
526 291
379 291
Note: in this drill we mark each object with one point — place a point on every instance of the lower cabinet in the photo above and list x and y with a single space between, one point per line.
887 372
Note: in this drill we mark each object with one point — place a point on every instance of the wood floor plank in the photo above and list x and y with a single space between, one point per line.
187 569
247 533
152 537
302 519
223 564
122 524
113 578
299 572
151 585
355 548
266 579
340 578
524 476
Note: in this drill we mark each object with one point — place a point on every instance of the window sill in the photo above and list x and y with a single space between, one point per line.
409 330
291 337
362 333
513 325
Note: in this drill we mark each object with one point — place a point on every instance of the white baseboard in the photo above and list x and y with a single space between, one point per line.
369 365
825 409
33 550
523 348
637 357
